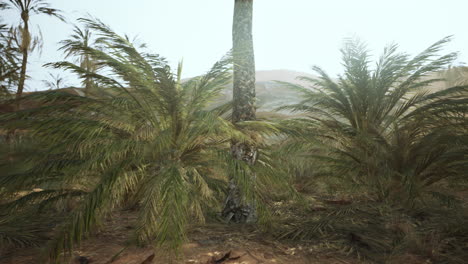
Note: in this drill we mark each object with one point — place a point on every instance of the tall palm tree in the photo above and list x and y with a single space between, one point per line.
26 8
383 128
74 47
236 208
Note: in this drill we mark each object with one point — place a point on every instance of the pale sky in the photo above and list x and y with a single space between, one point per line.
288 34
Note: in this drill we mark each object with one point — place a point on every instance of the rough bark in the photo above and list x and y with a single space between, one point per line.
25 44
88 80
236 209
244 62
22 79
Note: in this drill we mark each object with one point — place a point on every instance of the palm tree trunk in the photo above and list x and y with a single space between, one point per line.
22 79
88 79
236 209
25 43
87 86
244 62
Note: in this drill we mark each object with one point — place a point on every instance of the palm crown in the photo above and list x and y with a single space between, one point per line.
73 47
382 127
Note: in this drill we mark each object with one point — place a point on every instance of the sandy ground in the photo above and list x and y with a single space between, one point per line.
208 244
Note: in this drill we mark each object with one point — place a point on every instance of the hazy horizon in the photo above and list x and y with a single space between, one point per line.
292 35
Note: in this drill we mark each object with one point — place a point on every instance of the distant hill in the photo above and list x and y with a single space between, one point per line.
271 94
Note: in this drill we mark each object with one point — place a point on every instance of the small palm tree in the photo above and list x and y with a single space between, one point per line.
26 8
149 137
456 76
383 128
55 82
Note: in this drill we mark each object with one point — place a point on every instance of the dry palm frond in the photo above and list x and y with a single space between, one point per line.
22 231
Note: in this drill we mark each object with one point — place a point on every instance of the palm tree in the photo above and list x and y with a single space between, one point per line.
384 128
26 8
456 75
55 82
9 61
149 138
9 58
236 207
74 47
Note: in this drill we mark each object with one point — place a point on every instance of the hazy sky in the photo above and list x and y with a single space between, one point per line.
288 34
